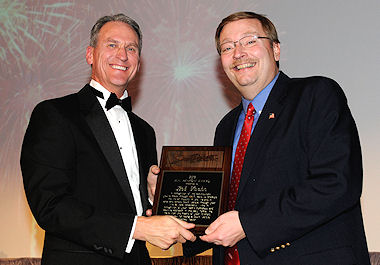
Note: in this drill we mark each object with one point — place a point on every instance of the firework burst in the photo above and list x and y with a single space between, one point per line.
22 25
57 68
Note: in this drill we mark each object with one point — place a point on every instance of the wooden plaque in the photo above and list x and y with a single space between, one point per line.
193 184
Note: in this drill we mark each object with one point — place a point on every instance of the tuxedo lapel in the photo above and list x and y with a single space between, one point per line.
268 117
139 142
97 121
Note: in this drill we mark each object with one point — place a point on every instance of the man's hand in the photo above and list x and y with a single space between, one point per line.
152 181
226 230
163 231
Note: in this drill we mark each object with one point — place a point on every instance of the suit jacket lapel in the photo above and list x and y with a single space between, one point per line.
97 121
225 136
265 123
139 142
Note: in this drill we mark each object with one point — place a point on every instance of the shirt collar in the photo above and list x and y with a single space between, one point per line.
106 93
259 101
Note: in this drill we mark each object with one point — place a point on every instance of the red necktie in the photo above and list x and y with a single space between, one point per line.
231 254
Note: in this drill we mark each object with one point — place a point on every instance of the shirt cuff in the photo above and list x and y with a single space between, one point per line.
150 201
131 240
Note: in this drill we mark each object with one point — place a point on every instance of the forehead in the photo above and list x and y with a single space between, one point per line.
119 31
238 28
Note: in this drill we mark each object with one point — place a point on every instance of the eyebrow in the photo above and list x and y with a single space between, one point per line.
112 40
245 34
116 41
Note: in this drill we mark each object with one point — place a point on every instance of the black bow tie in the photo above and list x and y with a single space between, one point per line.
124 103
113 101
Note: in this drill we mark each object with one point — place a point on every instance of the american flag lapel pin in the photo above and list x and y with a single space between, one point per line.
271 115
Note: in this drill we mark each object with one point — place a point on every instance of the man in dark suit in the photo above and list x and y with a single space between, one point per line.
299 183
86 160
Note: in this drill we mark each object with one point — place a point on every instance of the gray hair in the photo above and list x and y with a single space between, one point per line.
116 18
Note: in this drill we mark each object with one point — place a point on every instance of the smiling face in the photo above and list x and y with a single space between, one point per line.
115 59
249 69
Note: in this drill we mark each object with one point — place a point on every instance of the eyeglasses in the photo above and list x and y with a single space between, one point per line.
245 42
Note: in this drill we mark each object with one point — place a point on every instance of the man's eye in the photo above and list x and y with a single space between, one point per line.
112 45
226 49
133 49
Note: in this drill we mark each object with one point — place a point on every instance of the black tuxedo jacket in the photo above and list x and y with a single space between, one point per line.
300 186
76 184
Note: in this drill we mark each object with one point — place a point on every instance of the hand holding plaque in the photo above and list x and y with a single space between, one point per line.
193 184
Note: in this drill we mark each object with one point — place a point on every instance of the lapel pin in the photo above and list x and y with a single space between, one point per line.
271 115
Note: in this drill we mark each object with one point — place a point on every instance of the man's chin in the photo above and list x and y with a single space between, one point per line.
243 82
120 82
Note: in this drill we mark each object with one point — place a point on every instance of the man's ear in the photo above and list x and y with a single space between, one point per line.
90 55
276 51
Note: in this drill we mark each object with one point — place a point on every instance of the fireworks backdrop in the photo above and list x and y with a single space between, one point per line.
180 89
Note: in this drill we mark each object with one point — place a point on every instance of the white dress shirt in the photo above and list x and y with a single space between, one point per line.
121 127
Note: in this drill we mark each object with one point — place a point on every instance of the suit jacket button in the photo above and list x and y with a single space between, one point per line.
277 248
287 244
282 246
272 250
96 247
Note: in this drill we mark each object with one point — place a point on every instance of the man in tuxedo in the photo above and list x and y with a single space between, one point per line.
87 162
296 182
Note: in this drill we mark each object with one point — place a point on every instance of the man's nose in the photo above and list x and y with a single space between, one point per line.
239 51
122 54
